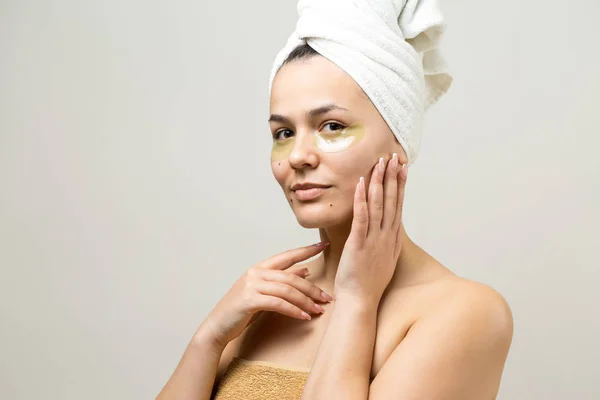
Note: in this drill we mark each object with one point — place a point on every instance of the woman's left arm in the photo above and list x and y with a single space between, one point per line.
342 366
458 352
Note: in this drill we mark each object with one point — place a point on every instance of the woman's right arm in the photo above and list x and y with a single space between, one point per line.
201 365
267 286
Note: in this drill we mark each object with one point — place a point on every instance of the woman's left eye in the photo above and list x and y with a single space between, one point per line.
334 126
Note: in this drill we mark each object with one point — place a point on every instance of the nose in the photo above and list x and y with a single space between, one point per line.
304 154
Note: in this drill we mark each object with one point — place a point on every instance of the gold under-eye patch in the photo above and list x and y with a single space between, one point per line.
282 148
328 142
331 142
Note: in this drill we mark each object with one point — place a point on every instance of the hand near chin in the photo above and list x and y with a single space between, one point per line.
372 249
271 285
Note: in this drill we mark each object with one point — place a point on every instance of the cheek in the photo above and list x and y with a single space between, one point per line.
278 168
357 161
348 167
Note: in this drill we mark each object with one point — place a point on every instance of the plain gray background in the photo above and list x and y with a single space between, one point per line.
135 183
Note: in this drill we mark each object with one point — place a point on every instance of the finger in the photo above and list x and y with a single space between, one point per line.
375 198
302 272
398 245
278 305
289 294
360 220
390 190
306 287
290 257
402 177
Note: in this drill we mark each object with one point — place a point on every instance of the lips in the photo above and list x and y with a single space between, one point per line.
309 193
308 185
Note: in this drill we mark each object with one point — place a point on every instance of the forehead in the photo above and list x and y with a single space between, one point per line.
312 82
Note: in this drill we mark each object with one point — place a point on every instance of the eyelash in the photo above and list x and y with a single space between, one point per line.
342 126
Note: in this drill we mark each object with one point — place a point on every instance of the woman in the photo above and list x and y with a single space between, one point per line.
374 315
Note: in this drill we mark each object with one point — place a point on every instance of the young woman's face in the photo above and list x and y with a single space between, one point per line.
312 102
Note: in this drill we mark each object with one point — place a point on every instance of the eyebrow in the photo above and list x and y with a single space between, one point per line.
311 114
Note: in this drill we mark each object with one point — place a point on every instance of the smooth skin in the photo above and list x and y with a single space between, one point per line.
267 286
401 326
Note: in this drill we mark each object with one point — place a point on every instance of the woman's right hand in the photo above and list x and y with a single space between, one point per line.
267 286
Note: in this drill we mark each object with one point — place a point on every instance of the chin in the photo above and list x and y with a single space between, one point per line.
318 215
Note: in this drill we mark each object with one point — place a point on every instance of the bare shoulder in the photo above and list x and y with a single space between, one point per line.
456 344
481 308
446 304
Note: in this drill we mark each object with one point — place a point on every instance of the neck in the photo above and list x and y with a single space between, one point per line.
408 264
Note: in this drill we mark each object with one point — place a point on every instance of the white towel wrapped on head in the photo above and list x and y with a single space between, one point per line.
389 47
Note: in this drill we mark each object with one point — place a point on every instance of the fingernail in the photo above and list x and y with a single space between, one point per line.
326 297
395 158
321 244
405 170
319 308
305 315
381 164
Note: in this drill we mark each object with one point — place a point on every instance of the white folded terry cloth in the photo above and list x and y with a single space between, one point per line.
389 47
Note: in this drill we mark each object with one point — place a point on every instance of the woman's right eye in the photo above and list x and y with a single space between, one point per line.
277 135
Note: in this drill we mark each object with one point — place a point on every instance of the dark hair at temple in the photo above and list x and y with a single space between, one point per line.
301 53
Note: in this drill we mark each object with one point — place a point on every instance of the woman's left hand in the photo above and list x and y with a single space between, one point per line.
372 249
